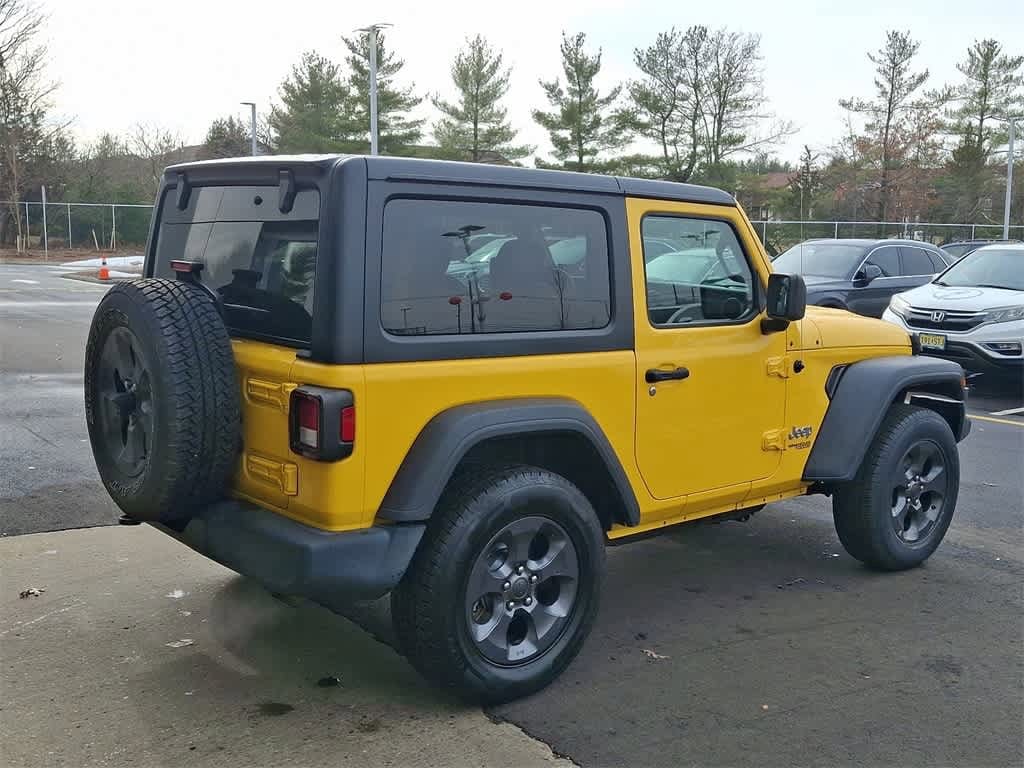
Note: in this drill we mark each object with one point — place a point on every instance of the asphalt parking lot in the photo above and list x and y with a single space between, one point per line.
769 645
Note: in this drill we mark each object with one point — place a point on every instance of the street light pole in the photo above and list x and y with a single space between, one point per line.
373 90
252 124
1009 182
371 32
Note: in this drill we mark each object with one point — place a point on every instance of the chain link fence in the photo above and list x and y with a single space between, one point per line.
67 226
113 226
777 236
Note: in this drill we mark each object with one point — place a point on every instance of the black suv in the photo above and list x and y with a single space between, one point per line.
861 275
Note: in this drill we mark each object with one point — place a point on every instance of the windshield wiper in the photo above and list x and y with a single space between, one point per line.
990 285
939 282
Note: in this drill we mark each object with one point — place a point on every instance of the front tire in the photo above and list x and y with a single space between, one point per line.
504 588
896 511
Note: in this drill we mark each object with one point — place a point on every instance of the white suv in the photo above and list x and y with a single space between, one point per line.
972 313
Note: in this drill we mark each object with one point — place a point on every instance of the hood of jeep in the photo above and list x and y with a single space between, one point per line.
839 328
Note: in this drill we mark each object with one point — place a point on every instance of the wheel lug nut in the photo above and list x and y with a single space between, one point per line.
528 601
510 605
520 570
506 586
533 578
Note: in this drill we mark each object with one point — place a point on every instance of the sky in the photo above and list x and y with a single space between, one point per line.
182 63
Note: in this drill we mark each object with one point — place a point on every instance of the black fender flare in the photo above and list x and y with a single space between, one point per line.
451 434
861 396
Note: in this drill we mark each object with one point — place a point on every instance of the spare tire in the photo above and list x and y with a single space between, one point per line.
161 398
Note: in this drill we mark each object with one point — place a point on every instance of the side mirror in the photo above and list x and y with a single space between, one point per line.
867 273
787 301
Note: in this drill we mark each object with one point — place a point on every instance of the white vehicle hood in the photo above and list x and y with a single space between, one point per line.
967 299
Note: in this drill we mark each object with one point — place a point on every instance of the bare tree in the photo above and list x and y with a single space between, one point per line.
158 146
666 104
734 93
26 138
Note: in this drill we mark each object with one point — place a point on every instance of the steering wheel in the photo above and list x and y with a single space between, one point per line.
686 315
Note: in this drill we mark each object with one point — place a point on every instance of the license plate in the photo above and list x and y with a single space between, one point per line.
932 340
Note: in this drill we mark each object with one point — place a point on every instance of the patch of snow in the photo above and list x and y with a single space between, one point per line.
112 261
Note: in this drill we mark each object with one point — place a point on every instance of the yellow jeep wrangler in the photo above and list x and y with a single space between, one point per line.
457 383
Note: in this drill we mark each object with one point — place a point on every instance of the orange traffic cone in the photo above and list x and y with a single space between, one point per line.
104 272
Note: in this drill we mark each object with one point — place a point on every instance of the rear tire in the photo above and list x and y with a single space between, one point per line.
161 399
896 511
469 613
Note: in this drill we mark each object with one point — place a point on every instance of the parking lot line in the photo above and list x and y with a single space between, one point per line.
995 420
1007 412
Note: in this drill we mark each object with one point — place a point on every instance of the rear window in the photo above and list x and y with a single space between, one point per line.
455 267
259 260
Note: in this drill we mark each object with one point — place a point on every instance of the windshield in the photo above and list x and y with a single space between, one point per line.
987 269
822 259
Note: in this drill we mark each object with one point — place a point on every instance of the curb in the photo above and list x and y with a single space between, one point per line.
88 277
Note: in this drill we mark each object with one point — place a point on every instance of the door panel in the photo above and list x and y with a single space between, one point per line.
702 434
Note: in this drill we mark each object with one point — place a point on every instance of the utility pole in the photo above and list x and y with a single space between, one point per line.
1009 181
252 124
371 32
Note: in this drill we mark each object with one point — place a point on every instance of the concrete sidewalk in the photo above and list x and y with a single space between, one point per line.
91 675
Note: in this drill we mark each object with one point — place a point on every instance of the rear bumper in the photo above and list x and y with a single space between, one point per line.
294 559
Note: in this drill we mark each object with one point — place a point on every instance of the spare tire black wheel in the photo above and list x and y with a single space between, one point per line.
161 399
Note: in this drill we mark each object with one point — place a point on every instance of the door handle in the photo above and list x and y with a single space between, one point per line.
654 375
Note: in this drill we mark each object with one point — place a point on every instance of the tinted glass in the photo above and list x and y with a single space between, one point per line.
886 259
938 263
916 261
956 250
823 259
451 267
707 280
988 268
263 269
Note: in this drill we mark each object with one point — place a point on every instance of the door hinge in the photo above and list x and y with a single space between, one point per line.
778 366
272 393
283 475
773 440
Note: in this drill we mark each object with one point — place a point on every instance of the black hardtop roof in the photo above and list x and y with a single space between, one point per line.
453 172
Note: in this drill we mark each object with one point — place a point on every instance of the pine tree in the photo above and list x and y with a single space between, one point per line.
806 183
582 124
226 137
887 113
476 123
397 132
991 88
314 115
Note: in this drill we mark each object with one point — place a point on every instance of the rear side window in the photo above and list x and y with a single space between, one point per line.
916 261
887 259
937 261
260 261
454 267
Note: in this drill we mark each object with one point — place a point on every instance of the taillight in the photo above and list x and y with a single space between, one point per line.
309 421
322 423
